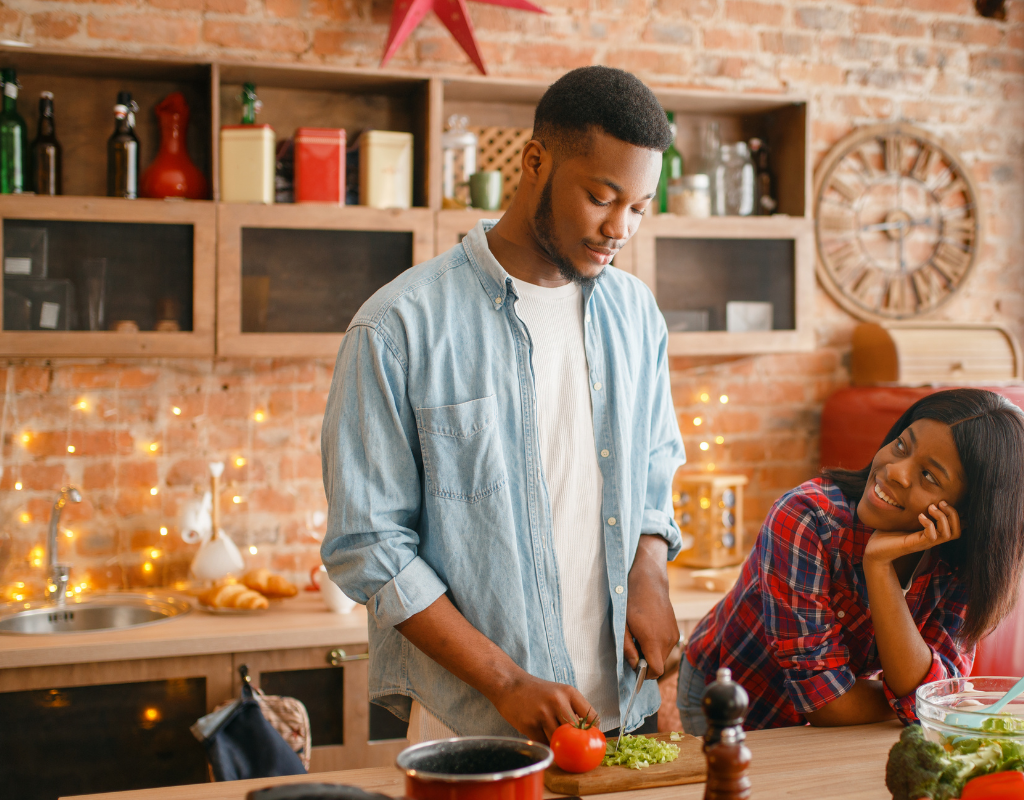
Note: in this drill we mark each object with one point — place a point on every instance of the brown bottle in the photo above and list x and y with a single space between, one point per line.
123 150
725 705
46 155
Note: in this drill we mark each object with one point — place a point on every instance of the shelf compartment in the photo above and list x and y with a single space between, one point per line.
290 278
84 92
176 242
701 264
452 225
333 98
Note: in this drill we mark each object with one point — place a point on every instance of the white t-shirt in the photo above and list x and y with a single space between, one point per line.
565 419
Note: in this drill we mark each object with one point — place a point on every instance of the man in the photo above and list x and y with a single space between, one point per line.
500 441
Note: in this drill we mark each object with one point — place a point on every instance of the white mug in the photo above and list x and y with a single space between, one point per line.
337 601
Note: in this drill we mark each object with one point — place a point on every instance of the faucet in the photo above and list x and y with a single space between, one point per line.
58 574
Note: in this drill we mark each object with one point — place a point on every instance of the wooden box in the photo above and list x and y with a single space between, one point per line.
937 353
709 512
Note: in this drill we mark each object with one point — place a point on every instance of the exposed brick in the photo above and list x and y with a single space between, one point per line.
997 61
692 9
672 62
32 379
965 32
283 8
801 72
255 36
55 24
330 9
558 56
669 33
145 29
752 13
876 22
785 43
730 39
822 18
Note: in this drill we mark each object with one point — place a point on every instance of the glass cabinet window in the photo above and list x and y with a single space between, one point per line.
314 281
97 276
734 285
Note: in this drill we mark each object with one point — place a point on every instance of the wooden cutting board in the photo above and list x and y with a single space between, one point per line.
690 767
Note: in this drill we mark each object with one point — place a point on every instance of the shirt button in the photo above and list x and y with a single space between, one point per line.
597 386
497 301
586 318
611 520
840 614
619 590
604 454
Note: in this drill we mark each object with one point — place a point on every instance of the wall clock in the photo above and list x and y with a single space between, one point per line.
897 222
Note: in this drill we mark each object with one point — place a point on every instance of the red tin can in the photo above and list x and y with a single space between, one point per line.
320 165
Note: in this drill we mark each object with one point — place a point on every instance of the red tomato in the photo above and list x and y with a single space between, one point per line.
578 746
997 786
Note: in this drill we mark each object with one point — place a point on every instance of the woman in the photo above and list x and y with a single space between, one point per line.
796 630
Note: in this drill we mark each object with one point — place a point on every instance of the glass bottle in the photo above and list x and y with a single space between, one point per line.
671 167
123 150
458 147
46 154
251 104
766 202
710 147
733 181
13 139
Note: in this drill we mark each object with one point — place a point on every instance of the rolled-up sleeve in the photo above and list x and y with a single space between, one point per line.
371 545
940 632
803 634
666 455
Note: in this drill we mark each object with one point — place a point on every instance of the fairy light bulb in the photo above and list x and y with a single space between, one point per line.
26 438
154 447
698 421
176 411
259 416
723 399
252 549
154 491
147 567
236 499
704 445
163 531
704 397
239 462
719 440
17 486
71 448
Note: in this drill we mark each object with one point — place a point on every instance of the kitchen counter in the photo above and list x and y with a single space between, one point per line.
805 762
301 621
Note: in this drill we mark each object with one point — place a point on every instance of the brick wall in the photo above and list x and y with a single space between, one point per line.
931 62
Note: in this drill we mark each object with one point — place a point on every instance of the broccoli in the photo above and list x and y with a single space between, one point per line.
919 768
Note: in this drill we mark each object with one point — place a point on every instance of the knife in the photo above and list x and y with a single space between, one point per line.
641 676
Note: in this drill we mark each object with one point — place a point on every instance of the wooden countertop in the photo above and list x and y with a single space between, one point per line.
804 762
302 621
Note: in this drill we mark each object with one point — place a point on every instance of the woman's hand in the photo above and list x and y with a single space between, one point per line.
942 526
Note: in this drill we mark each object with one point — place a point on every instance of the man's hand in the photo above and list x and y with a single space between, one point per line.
535 707
943 525
649 615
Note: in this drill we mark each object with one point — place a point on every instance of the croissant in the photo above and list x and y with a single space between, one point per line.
268 584
233 595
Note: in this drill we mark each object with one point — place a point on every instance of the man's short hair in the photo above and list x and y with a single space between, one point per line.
604 98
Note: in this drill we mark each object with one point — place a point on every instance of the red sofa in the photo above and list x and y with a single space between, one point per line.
853 424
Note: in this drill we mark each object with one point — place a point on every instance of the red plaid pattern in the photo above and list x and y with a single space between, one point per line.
796 628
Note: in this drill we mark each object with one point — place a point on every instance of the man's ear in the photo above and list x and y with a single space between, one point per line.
535 158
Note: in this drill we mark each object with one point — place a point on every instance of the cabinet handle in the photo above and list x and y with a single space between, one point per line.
337 657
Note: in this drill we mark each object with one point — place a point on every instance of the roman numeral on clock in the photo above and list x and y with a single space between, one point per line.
955 185
961 228
893 154
923 164
930 285
845 189
951 261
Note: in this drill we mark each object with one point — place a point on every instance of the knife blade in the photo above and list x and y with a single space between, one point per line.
641 676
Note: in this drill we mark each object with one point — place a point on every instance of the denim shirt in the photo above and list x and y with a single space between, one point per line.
434 481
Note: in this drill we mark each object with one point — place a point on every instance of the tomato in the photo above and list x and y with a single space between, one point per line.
997 786
578 746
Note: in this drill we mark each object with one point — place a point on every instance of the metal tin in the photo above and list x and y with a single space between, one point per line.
247 164
320 165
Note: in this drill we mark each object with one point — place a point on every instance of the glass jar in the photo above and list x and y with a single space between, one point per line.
734 185
458 147
693 199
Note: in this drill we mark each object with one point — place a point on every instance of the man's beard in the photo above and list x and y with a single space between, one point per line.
544 223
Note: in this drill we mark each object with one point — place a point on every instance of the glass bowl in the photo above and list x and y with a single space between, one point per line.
956 709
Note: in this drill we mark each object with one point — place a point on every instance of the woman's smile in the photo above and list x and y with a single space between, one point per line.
880 493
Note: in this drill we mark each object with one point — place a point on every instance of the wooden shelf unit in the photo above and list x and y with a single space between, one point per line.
322 95
200 215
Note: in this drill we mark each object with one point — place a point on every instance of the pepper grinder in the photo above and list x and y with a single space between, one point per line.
725 705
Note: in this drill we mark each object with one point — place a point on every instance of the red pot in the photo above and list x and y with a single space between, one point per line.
475 768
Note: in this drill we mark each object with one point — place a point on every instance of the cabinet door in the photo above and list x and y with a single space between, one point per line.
346 733
106 727
75 267
290 277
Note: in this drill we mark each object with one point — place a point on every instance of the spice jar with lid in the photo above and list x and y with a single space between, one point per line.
693 199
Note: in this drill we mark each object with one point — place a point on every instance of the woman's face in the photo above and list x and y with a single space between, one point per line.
919 468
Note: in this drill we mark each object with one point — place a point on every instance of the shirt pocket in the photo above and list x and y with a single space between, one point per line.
462 452
850 612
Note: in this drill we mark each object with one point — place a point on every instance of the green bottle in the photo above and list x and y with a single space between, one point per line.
13 139
671 167
251 105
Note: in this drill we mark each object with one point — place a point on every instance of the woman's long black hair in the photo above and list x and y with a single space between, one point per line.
988 431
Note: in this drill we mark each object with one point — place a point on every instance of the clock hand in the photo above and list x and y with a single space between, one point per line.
899 224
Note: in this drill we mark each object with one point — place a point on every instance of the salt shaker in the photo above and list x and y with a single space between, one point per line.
725 705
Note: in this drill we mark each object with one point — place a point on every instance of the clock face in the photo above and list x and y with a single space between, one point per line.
897 222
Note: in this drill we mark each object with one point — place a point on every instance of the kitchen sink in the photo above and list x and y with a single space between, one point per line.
101 613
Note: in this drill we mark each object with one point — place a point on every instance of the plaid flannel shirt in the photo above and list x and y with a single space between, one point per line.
796 629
